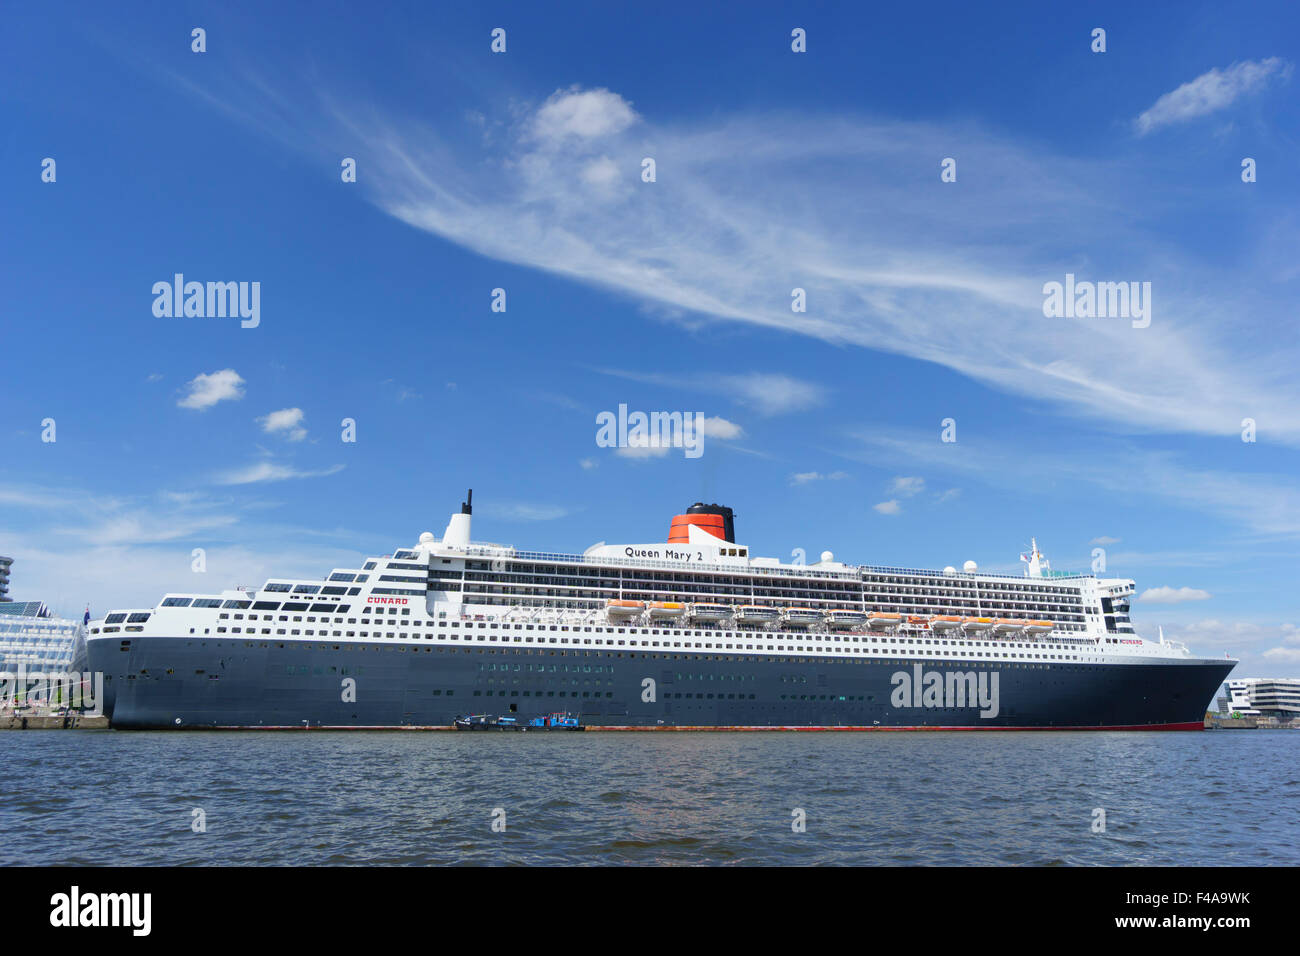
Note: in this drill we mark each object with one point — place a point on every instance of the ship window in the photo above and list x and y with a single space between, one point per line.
176 602
115 619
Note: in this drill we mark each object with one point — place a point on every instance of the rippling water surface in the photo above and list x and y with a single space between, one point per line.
86 797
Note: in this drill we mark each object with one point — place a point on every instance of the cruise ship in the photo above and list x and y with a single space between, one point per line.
689 633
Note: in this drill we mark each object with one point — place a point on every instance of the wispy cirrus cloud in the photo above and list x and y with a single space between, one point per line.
523 511
271 471
744 222
1264 504
906 486
768 393
749 206
805 477
1210 92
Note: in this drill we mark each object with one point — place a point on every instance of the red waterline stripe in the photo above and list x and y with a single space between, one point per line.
1194 725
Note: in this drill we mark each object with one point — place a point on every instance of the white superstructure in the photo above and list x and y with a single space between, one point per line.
650 595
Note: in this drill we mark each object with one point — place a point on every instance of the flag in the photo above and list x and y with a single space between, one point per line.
1025 558
86 619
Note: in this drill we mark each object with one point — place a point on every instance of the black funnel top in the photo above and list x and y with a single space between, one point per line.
728 516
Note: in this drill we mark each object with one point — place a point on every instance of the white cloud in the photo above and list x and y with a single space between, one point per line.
1210 92
601 173
205 390
949 495
1168 595
1116 467
74 546
715 427
766 392
772 394
1242 635
581 114
891 507
1104 540
920 277
643 448
68 579
906 487
286 420
656 445
804 477
588 464
270 471
523 511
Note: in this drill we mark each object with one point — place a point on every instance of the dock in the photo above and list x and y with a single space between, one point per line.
52 722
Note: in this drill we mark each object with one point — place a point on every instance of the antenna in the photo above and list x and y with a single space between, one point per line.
467 506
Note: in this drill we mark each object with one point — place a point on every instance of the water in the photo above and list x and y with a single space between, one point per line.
312 798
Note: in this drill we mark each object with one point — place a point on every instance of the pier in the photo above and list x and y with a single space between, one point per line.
46 721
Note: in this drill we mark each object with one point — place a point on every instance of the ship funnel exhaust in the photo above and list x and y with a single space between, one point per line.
457 533
717 520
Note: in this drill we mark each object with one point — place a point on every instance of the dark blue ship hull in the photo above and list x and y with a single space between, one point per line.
187 683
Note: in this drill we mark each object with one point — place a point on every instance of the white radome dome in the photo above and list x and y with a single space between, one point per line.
950 570
426 538
969 566
827 556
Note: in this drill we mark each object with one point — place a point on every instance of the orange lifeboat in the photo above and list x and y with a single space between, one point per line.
880 620
666 609
1039 627
623 610
1008 625
945 623
977 623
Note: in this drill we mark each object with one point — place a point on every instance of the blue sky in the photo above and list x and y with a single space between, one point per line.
774 170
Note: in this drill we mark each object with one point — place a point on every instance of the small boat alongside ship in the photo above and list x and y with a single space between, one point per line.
556 721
